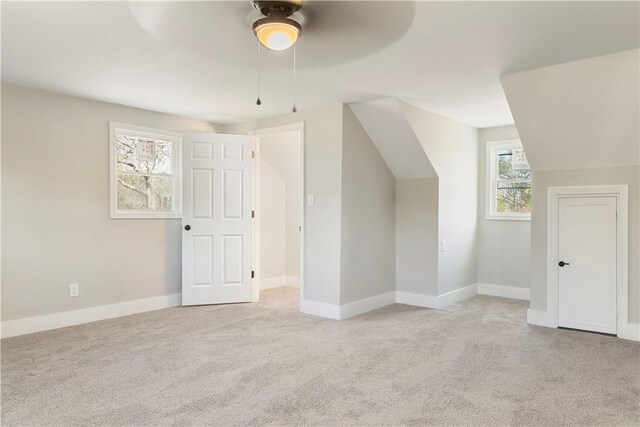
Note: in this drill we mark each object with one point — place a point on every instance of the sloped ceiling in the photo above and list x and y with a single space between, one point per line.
391 133
198 58
282 153
580 114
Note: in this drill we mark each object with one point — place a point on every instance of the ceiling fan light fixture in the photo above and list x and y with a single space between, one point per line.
277 33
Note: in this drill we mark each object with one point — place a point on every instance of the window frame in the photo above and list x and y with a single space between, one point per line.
491 179
175 138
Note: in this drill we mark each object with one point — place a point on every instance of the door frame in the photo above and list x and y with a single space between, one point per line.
256 135
620 192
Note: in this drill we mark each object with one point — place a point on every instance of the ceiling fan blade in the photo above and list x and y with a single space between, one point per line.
333 32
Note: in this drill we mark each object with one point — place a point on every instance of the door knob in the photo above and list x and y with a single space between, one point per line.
562 263
187 227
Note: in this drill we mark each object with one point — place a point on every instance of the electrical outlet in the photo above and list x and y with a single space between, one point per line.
311 200
443 246
74 290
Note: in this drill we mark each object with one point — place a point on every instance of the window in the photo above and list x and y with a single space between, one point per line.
508 181
146 180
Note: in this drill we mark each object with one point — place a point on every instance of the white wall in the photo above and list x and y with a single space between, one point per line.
580 125
417 236
368 216
580 114
282 153
272 223
323 169
452 148
56 228
504 246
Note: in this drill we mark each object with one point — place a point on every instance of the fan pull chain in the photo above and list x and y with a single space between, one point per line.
294 109
258 101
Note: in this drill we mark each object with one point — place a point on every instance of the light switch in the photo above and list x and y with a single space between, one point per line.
442 246
310 200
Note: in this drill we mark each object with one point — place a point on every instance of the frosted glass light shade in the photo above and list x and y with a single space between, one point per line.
277 33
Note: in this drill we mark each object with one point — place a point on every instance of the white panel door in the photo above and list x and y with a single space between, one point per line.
587 263
216 226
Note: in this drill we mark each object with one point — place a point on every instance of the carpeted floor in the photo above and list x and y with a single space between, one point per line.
473 363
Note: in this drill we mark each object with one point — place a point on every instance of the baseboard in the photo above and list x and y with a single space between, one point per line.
292 281
341 312
272 282
457 295
537 317
30 325
321 309
278 281
503 291
367 304
440 301
418 300
630 332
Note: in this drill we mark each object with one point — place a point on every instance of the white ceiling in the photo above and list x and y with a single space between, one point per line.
198 58
590 110
391 133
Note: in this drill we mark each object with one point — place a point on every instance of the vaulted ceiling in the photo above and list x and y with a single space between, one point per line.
580 114
391 133
198 58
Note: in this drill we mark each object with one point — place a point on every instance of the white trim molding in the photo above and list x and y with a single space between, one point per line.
276 282
321 309
297 281
418 300
367 304
537 317
345 311
273 282
457 295
491 213
441 301
503 291
116 128
12 328
620 192
630 331
292 281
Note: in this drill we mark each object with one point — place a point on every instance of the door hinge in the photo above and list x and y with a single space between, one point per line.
253 274
253 214
253 154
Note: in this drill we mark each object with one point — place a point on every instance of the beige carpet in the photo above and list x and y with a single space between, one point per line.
473 363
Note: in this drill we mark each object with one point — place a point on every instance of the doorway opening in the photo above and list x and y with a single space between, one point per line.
278 201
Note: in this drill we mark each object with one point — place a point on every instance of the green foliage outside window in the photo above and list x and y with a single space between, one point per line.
513 186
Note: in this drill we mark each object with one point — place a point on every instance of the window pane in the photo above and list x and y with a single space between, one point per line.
144 155
139 192
514 197
506 168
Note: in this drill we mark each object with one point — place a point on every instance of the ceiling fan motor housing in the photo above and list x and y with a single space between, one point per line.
280 8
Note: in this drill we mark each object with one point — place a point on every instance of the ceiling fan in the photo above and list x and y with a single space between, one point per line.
336 32
277 31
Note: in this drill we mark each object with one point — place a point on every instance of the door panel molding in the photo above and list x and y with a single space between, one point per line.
554 194
216 223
